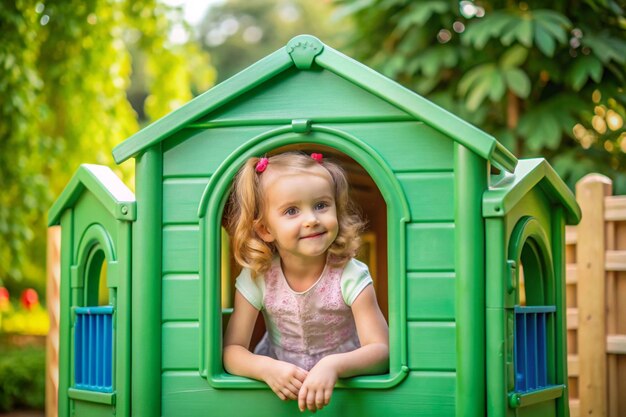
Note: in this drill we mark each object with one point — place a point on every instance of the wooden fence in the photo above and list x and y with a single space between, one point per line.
52 301
596 301
596 304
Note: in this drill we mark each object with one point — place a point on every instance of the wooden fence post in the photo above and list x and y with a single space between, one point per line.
52 301
590 254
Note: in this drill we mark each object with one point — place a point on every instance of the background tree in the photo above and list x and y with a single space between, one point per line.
66 67
546 79
238 33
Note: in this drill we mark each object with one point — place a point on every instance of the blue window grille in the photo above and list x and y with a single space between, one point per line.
531 362
93 347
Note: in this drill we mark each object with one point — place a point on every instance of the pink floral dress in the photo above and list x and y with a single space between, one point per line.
303 327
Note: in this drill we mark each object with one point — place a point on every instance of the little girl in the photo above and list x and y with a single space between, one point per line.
295 234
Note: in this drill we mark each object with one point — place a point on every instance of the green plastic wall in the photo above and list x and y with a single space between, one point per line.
536 205
423 163
86 215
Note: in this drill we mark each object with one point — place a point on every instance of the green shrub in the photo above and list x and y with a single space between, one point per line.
22 377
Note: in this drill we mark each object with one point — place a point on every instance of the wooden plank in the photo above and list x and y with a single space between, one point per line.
571 276
571 235
616 344
615 208
591 192
430 195
53 286
611 319
431 296
572 318
572 365
429 246
574 407
615 260
432 346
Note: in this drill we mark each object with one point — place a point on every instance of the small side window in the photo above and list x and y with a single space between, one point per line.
93 329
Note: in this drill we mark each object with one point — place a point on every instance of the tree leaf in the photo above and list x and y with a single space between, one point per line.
469 79
518 82
514 57
544 40
480 89
539 130
498 86
583 67
421 12
495 25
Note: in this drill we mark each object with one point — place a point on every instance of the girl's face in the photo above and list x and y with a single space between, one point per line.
300 215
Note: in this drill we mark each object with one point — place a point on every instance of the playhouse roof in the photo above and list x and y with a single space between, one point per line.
301 52
537 172
104 185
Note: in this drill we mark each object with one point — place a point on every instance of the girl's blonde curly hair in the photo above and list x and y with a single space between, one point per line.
246 208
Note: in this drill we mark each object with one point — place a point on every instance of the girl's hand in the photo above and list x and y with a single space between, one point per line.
285 379
318 386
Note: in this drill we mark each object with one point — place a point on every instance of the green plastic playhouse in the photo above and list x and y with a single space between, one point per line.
454 219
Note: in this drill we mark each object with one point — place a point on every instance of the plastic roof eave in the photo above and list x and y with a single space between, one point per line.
100 180
501 198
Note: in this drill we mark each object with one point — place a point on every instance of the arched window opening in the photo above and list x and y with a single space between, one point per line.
373 251
96 291
535 309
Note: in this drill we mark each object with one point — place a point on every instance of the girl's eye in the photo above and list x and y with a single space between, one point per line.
291 211
321 205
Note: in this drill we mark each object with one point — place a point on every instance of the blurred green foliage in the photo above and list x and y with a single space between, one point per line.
545 78
238 33
22 377
66 68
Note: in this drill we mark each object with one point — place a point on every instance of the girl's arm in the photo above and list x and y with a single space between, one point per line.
283 378
371 358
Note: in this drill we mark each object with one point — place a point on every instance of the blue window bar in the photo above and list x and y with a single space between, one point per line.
93 343
531 362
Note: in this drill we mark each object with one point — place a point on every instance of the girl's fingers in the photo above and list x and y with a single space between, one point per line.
327 394
319 399
301 374
310 400
296 383
287 392
280 395
302 398
293 391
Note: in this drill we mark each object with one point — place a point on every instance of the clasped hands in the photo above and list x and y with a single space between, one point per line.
312 389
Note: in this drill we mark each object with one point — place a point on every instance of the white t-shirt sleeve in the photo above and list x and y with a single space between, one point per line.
356 276
251 289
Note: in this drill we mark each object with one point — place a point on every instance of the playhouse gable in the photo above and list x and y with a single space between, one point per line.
104 185
309 80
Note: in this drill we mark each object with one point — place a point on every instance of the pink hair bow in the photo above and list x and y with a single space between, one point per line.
318 157
261 165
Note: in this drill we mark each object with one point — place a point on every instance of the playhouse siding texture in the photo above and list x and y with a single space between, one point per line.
422 160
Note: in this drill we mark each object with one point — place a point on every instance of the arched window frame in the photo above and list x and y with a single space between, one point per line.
85 275
210 212
530 246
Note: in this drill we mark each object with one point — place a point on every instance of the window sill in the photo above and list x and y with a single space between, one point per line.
522 399
383 381
92 396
